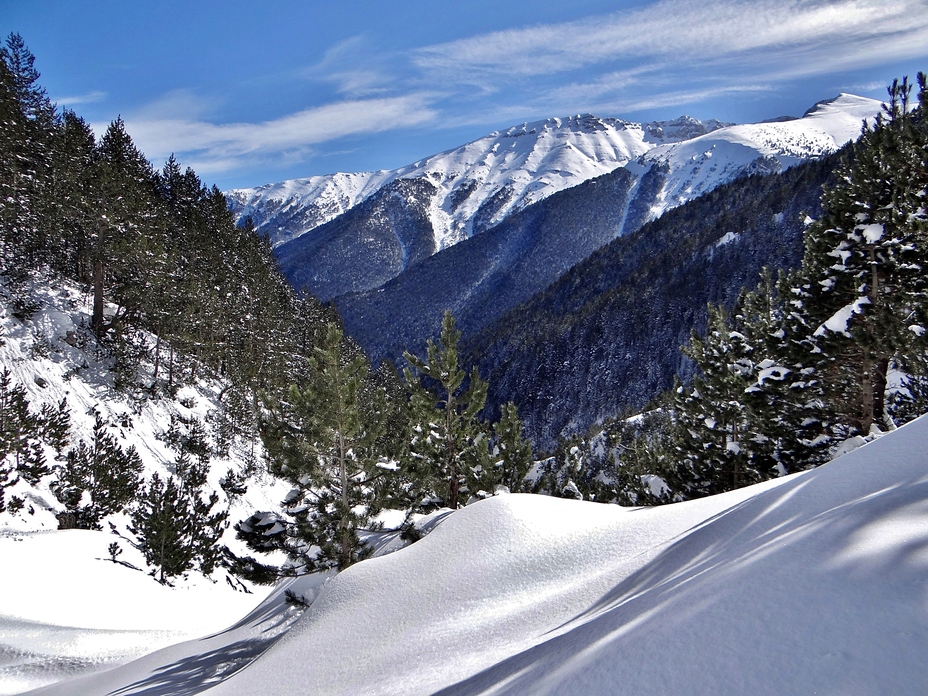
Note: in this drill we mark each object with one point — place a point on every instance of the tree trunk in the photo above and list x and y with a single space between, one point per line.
878 379
867 391
96 321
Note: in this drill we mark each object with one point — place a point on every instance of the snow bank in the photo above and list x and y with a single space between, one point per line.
814 583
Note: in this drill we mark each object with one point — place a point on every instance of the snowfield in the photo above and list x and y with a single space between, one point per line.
813 583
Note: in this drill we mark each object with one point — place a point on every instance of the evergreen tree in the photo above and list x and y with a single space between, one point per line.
322 439
861 290
126 241
97 479
31 119
512 454
715 445
448 451
174 525
24 434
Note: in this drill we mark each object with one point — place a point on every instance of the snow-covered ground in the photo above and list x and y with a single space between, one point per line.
813 583
65 607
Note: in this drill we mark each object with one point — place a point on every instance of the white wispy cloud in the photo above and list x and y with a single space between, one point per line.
88 98
348 66
666 54
688 30
214 147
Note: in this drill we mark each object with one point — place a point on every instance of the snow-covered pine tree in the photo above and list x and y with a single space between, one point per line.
448 451
787 417
30 117
862 289
321 438
96 479
125 241
716 448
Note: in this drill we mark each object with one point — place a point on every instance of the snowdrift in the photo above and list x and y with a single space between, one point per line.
814 583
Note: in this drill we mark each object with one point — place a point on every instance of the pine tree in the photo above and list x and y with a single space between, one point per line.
24 434
174 525
97 479
862 289
31 118
448 449
322 438
512 454
715 446
126 240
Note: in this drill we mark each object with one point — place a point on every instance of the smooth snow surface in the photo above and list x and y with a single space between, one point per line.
813 583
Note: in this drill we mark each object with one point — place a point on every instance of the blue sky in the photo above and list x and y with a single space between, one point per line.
253 92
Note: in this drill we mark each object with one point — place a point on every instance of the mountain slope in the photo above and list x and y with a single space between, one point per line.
809 583
477 184
605 336
481 277
364 229
392 272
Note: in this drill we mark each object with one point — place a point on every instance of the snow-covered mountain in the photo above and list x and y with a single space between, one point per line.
475 185
699 164
811 583
347 233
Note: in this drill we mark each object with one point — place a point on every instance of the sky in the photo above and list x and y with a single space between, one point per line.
248 93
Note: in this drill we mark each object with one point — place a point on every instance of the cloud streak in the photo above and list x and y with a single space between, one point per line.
89 98
683 30
668 53
218 147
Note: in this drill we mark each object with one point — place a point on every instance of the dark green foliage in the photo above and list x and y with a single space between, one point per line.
512 454
804 364
97 478
174 522
862 288
24 435
322 437
448 452
114 551
194 294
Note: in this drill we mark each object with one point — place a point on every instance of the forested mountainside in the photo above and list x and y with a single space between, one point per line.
363 239
481 277
157 293
606 336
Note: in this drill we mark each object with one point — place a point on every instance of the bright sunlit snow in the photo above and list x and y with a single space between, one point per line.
813 583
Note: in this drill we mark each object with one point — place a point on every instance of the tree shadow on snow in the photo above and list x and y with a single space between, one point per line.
826 511
196 673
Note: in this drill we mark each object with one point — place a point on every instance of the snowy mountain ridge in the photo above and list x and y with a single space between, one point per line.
697 165
477 184
482 182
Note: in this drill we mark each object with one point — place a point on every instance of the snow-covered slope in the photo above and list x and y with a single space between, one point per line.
813 583
65 607
700 164
477 184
